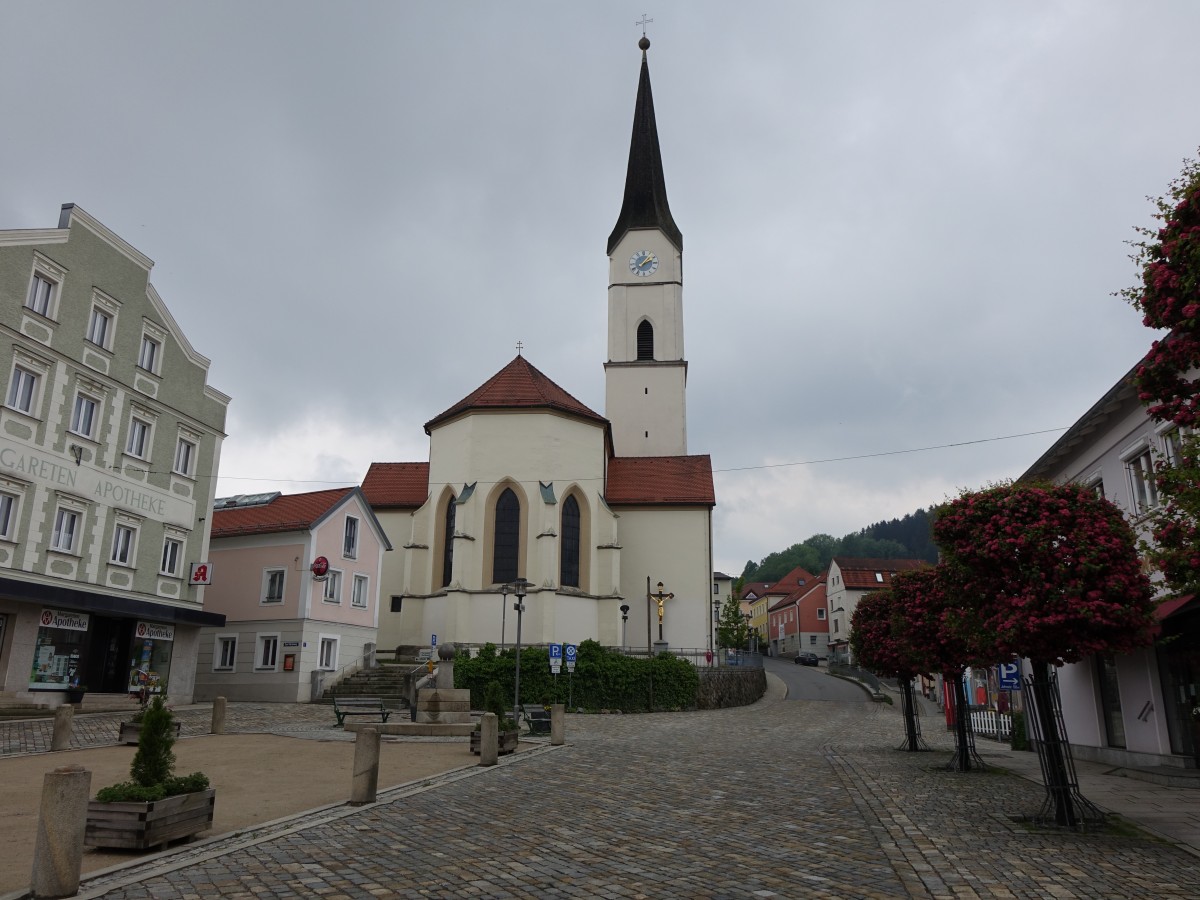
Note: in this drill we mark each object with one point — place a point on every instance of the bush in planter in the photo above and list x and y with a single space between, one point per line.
494 702
152 766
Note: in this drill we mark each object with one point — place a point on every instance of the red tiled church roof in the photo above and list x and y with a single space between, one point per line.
396 485
519 385
660 480
287 512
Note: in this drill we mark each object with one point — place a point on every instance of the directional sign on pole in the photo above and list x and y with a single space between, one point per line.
556 653
433 641
1009 676
569 652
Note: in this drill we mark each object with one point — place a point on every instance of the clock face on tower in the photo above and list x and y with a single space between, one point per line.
643 263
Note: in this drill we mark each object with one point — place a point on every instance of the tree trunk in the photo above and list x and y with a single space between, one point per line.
1050 747
912 735
962 748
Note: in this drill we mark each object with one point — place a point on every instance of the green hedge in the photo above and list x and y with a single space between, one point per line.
602 679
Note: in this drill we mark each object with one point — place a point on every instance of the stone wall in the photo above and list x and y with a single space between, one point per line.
720 688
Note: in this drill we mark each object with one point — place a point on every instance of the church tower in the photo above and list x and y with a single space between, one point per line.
646 373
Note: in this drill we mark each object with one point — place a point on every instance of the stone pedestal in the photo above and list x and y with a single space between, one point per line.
441 706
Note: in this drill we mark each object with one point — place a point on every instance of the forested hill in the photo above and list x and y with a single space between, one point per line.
907 538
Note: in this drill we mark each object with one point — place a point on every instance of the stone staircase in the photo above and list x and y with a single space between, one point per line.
12 707
388 681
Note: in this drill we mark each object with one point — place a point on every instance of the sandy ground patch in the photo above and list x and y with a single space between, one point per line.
258 777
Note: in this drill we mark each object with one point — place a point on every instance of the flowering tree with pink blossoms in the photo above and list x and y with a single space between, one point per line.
1053 573
1168 378
879 643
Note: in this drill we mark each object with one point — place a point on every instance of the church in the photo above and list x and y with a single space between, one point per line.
604 520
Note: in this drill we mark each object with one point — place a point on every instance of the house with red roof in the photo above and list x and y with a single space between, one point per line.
525 483
848 580
297 578
799 620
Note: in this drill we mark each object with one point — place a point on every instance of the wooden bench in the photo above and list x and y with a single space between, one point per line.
537 719
359 706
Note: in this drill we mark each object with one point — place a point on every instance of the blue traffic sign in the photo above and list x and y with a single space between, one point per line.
1009 676
571 650
433 642
556 651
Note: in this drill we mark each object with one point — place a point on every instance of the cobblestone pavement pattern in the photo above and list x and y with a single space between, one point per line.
784 799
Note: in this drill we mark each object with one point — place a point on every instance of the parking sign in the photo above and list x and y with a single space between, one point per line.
569 651
1009 676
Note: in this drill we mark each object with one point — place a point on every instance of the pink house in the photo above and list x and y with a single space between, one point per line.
297 578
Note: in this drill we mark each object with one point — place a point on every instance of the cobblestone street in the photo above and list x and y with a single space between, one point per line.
783 799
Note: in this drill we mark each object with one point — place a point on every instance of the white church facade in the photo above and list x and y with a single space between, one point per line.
525 483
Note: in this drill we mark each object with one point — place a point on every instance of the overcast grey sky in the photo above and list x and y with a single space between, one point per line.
903 222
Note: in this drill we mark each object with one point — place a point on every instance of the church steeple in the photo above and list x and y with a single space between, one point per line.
645 204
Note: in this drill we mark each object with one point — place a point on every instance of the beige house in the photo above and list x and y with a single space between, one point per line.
848 580
524 482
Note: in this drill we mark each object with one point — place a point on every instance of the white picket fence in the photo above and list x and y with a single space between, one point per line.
989 723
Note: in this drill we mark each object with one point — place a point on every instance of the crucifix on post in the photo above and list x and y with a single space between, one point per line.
660 598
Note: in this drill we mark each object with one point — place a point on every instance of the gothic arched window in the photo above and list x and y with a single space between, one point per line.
448 538
569 553
645 341
506 545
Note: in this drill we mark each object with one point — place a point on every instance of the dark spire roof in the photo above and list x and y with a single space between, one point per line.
645 203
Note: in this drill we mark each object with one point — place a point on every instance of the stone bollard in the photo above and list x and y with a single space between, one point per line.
62 820
218 716
366 767
64 718
558 715
489 740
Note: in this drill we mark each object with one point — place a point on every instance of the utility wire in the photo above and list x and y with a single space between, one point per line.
808 462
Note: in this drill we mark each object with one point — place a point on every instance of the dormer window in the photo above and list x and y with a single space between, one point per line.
879 577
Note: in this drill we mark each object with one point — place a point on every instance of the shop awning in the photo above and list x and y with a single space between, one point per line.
106 604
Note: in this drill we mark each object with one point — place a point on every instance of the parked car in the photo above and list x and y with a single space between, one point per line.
806 658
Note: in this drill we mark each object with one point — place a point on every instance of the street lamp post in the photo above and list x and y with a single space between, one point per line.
519 587
624 619
660 598
504 588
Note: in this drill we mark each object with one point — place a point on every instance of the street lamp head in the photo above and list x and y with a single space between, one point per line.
624 610
520 586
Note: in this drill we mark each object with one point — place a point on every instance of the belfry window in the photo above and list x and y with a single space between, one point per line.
507 537
448 538
645 341
569 553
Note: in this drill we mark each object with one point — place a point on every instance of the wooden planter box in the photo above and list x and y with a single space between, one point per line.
140 826
506 742
130 731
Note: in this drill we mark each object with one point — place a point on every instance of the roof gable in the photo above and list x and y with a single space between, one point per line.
519 385
873 574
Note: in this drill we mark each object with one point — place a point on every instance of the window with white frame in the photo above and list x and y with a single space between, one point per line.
99 330
8 515
23 390
273 580
225 652
266 653
821 614
333 587
185 457
150 354
138 443
42 291
327 656
1173 444
1143 488
358 594
83 415
66 524
350 544
172 557
124 545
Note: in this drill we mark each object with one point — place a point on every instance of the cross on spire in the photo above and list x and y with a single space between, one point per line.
643 23
520 346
